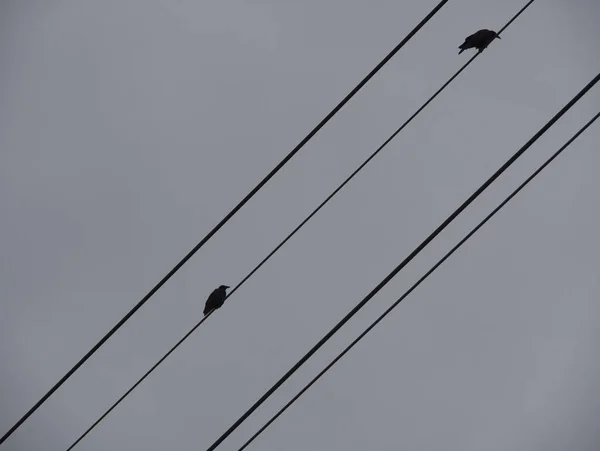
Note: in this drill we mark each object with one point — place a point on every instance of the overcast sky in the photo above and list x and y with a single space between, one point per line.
129 128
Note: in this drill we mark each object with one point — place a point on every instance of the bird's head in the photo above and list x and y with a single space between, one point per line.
223 287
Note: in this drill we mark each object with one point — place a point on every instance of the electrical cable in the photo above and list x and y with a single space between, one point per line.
421 280
291 234
395 271
229 215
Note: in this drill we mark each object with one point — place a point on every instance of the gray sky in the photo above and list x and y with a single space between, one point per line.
129 128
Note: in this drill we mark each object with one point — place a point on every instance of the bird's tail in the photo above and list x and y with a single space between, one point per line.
461 50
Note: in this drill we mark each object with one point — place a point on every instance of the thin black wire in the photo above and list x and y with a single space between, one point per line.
421 280
412 255
134 386
285 240
308 218
419 248
223 221
373 155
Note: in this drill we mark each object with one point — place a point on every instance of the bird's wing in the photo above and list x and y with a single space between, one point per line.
211 299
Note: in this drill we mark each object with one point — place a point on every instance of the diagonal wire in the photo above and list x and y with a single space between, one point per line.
229 215
395 271
291 234
413 254
418 282
373 155
134 386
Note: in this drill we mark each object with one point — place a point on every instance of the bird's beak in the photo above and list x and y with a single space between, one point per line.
226 286
498 37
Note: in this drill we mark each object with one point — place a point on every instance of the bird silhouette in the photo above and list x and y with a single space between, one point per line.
216 299
479 40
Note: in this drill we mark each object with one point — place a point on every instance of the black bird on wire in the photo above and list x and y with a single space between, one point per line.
216 299
479 40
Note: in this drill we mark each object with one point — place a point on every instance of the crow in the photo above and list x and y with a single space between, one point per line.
216 299
479 40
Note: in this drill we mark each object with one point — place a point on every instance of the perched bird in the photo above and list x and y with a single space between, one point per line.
479 40
216 299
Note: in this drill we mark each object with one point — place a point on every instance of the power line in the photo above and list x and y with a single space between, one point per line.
224 220
421 280
395 271
291 234
134 386
368 160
